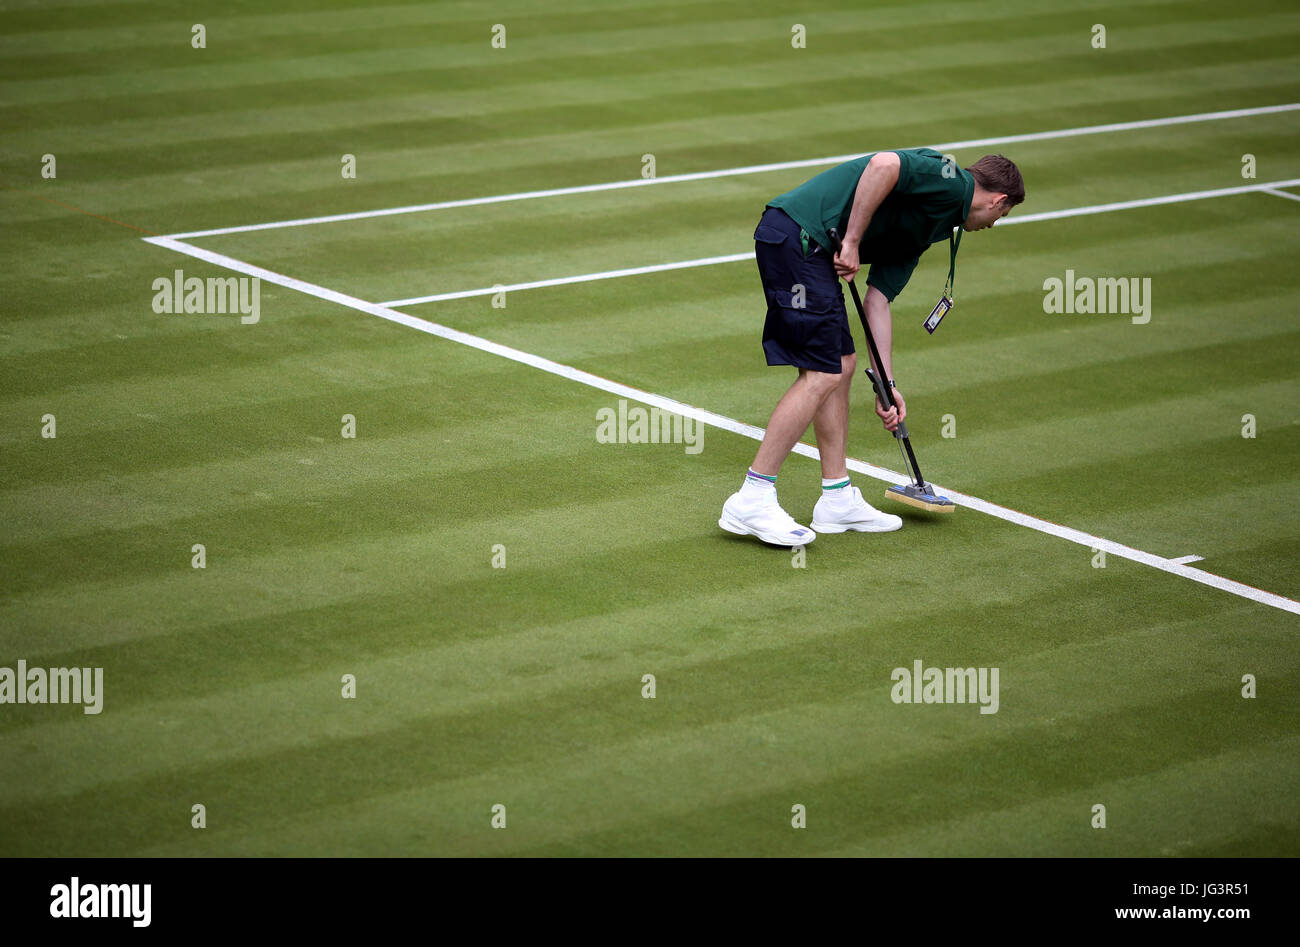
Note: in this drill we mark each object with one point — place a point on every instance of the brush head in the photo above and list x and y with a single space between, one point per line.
922 497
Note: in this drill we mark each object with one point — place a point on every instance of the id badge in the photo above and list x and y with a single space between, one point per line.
932 321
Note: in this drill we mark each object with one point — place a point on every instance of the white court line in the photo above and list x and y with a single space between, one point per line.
1184 560
749 169
727 424
1289 196
1148 202
737 257
560 281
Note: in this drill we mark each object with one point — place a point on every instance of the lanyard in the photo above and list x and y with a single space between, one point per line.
945 302
954 241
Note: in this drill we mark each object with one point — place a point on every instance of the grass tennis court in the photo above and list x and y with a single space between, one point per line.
378 555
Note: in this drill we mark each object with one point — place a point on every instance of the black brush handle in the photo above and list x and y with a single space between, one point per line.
882 388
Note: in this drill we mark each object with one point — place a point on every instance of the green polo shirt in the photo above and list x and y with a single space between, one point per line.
922 209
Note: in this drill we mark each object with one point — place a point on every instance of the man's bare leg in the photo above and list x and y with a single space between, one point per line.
754 510
831 423
841 507
793 413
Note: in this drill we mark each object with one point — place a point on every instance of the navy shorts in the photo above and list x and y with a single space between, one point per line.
807 325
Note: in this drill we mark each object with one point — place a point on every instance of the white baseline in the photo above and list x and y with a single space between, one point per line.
748 169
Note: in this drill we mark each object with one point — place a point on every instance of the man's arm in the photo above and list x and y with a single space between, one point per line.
877 180
881 321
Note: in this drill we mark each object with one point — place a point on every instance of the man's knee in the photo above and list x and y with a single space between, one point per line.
848 365
821 384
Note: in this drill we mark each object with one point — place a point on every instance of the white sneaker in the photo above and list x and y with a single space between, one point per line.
765 519
849 511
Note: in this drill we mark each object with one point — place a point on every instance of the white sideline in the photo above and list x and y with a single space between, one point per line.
1185 560
737 257
727 424
749 169
1287 195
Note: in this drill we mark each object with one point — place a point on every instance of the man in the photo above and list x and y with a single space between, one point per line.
889 207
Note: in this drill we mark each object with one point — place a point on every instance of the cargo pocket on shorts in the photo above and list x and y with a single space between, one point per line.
804 301
789 318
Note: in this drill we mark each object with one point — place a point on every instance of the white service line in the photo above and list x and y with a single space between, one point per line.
722 422
748 169
737 257
562 280
1147 202
1289 196
1185 560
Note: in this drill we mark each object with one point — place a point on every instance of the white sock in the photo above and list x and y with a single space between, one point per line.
836 488
757 485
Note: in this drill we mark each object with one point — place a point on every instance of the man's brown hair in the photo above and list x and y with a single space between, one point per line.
999 175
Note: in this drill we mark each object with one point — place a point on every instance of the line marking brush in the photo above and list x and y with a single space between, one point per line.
918 493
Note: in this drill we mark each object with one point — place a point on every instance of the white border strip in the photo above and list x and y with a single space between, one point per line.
737 257
749 169
1148 202
561 281
724 423
1289 196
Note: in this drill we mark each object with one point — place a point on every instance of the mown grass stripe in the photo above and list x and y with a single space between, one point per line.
705 703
